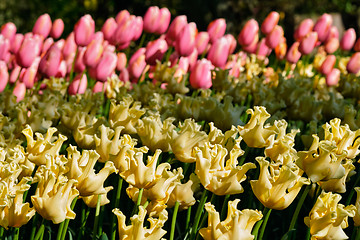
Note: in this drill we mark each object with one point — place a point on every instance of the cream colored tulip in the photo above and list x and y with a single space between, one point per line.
277 188
108 143
84 135
237 225
328 218
357 205
137 231
91 201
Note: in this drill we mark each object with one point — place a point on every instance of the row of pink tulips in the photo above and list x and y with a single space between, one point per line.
27 58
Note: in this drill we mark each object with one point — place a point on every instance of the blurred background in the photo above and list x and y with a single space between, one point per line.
24 12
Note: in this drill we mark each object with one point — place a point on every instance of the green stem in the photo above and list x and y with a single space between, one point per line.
40 232
298 207
188 218
16 236
198 214
33 227
142 40
223 208
60 230
357 236
84 216
117 201
66 224
308 235
138 202
168 54
173 222
96 221
1 232
267 212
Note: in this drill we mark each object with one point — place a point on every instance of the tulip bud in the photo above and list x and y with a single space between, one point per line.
262 49
293 55
4 76
151 19
193 57
62 70
4 47
274 37
69 46
331 45
155 50
334 33
79 65
93 53
29 75
174 29
60 44
29 50
219 52
248 32
348 40
19 91
138 22
121 61
357 45
50 63
124 33
14 75
46 45
122 16
333 77
78 85
270 22
164 20
216 29
109 28
57 28
201 41
280 50
8 30
303 29
200 76
137 64
84 30
106 66
124 75
308 43
185 40
328 64
252 47
43 25
232 42
322 26
353 65
16 43
99 87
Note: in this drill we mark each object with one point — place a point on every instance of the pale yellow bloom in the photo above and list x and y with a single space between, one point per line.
237 225
328 218
136 231
277 188
357 205
54 191
84 135
108 143
183 142
228 139
256 133
215 174
91 201
37 149
321 162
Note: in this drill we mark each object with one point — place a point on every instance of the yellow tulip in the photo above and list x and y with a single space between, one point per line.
91 201
357 205
108 143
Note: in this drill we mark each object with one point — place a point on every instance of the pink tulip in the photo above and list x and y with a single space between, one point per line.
50 63
16 43
333 77
42 25
293 54
219 52
328 64
263 50
79 65
331 45
348 40
60 44
106 66
84 30
19 91
248 32
122 16
109 28
334 33
252 47
29 50
121 61
185 40
57 28
183 64
93 53
174 29
4 76
46 45
78 85
357 45
29 75
303 29
200 76
138 22
137 64
124 33
4 47
202 41
164 21
8 30
62 70
216 29
151 19
232 42
270 22
353 65
124 75
69 46
308 43
274 37
155 50
280 50
322 26
193 57
99 87
14 75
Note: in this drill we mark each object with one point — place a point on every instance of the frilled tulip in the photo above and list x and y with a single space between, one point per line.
322 26
308 43
155 50
353 66
84 30
185 40
200 76
348 40
216 29
50 63
357 205
248 32
42 25
174 29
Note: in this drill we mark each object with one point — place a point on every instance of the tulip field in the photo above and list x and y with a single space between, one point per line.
148 128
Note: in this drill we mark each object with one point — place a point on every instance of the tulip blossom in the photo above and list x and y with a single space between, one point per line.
50 63
293 54
43 25
174 29
109 28
78 85
201 42
357 205
155 50
29 50
328 217
124 33
216 29
156 20
46 45
16 43
69 46
262 49
333 77
4 76
200 76
322 27
274 37
237 225
357 45
19 91
185 40
219 52
137 64
270 22
109 142
4 47
79 65
303 29
8 30
332 45
353 66
308 43
84 30
348 40
328 64
28 75
280 49
122 16
138 22
248 32
93 53
121 61
57 28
